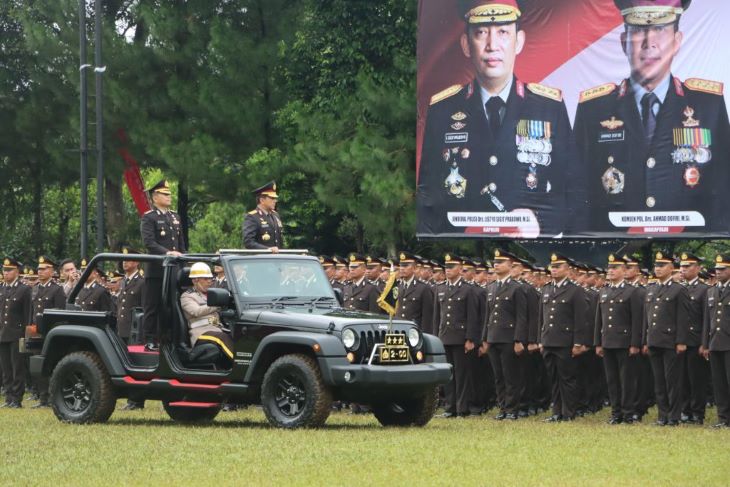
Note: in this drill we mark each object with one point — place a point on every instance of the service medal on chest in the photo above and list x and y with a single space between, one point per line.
455 184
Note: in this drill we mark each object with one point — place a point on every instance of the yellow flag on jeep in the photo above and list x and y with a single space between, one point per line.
388 299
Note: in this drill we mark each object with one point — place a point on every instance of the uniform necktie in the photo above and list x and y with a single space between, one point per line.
494 105
648 101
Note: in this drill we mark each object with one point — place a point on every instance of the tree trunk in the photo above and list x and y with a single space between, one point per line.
63 220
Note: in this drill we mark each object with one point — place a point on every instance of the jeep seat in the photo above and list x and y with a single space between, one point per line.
203 355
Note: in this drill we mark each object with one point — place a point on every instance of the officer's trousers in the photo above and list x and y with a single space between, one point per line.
458 390
622 380
508 376
151 303
666 364
694 383
720 363
561 369
13 369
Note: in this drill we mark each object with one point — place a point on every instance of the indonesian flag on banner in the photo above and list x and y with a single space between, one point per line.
133 176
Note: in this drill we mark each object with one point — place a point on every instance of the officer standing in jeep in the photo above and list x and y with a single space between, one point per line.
262 228
162 235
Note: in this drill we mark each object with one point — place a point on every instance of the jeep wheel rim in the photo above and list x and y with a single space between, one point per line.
290 396
76 392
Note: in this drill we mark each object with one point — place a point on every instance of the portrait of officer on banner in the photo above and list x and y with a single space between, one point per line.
496 151
655 147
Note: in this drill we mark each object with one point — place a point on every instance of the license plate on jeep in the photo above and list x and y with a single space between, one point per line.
394 350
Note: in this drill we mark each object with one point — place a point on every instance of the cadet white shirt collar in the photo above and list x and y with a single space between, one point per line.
359 281
504 94
131 276
561 282
621 283
503 281
409 281
668 282
660 91
693 281
14 283
455 282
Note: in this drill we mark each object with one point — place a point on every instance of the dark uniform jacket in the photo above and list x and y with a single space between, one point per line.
532 294
94 297
666 315
697 294
262 230
415 303
456 313
506 313
47 296
481 293
15 311
716 330
592 305
618 317
222 284
610 137
130 297
563 316
457 137
161 233
362 297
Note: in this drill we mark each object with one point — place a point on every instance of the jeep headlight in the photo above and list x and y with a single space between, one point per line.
349 339
413 337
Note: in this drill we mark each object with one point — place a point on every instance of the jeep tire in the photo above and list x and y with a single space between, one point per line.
293 394
81 390
416 411
190 415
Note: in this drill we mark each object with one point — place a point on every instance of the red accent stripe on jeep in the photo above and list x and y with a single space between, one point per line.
188 385
189 404
132 380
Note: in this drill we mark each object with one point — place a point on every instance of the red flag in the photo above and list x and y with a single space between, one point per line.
133 177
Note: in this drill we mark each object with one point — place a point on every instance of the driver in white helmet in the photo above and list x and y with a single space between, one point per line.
201 318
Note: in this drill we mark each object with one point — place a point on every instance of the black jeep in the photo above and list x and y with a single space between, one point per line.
295 350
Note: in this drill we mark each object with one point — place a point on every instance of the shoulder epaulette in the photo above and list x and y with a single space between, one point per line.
448 92
148 211
546 91
704 85
596 92
252 212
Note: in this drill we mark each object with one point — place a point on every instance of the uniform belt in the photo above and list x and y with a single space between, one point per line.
208 320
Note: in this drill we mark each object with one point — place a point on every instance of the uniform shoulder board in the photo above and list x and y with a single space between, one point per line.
252 212
447 93
148 211
704 85
546 91
596 92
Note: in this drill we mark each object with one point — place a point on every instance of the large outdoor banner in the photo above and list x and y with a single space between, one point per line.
573 118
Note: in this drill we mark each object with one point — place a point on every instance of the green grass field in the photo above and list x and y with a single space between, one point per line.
239 448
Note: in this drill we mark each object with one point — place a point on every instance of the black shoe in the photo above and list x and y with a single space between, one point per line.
615 420
553 419
152 347
720 425
500 416
580 412
685 418
672 422
567 418
228 407
531 412
634 418
511 416
42 404
132 406
448 415
522 413
661 422
698 420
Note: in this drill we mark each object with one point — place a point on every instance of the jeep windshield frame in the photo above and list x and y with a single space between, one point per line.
278 280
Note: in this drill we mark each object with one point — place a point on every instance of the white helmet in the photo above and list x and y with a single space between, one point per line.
200 269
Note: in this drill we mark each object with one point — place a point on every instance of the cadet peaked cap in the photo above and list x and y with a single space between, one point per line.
558 258
45 261
613 259
268 189
687 258
452 259
630 260
162 187
501 254
406 257
722 261
489 11
11 263
663 257
354 258
326 261
651 12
